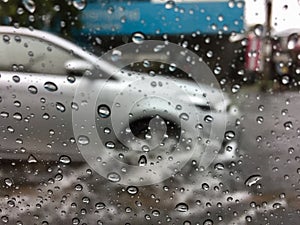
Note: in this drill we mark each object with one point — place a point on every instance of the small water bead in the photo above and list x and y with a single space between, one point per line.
181 207
100 206
17 116
16 78
138 38
83 140
110 145
132 190
79 4
31 159
208 119
288 125
229 135
113 177
60 107
50 86
142 161
29 5
9 182
103 111
32 89
253 180
65 159
169 4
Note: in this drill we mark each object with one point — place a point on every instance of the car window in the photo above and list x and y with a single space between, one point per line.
31 54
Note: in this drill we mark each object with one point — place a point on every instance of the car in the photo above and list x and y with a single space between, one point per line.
60 102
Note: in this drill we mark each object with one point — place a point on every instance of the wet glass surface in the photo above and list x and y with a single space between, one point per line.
149 112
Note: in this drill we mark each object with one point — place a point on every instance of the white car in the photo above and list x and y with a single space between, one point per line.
47 111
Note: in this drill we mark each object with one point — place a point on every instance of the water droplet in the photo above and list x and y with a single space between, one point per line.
6 38
32 89
71 79
29 5
132 190
78 187
292 41
235 88
65 159
31 159
16 79
181 207
50 86
79 4
184 116
276 205
103 111
17 116
258 30
113 177
116 55
288 125
172 67
9 182
219 166
100 206
138 38
208 222
208 119
142 161
110 145
285 79
83 140
74 106
46 116
60 107
4 219
259 119
205 186
169 4
209 54
229 135
253 180
4 114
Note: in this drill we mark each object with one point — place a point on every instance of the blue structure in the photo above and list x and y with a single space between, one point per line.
126 17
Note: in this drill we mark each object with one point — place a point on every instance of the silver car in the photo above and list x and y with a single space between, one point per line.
55 96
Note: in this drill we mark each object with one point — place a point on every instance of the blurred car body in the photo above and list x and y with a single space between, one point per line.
39 77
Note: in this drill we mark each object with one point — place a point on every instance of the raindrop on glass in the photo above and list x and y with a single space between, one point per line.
83 140
142 161
208 119
181 207
50 86
169 4
79 4
65 159
288 125
31 159
138 38
8 182
103 111
60 107
32 89
29 5
132 190
100 206
229 135
253 180
113 177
